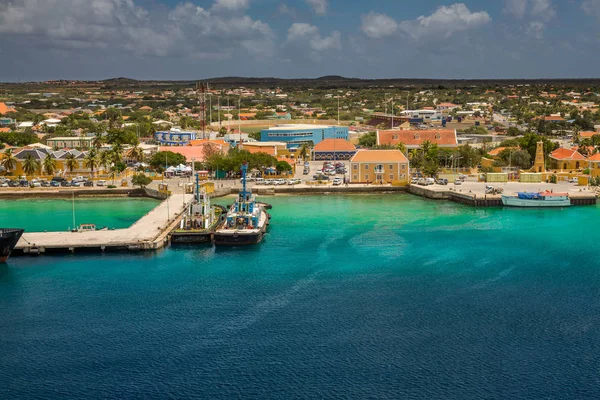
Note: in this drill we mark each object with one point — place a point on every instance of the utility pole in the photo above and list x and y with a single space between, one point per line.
240 118
219 110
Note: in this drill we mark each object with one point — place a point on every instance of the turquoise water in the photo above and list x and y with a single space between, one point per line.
348 297
57 215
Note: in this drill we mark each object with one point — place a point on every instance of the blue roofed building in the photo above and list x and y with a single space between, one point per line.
295 135
174 138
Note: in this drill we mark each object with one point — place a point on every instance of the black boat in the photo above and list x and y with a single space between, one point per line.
246 222
8 240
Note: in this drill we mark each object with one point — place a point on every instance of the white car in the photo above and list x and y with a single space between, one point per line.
337 181
457 182
101 183
269 182
280 182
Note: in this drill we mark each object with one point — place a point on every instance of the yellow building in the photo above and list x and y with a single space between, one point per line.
379 166
60 162
568 159
70 142
593 163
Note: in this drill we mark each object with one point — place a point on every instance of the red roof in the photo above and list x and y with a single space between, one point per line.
382 156
587 134
5 109
553 118
595 157
566 154
196 153
330 145
415 138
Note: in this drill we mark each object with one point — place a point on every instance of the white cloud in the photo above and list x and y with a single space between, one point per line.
302 32
543 10
122 25
516 8
444 22
535 30
591 7
377 26
231 4
319 6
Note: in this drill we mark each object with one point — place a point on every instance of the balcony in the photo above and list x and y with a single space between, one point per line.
378 170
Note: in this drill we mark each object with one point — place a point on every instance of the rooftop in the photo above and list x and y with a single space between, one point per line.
329 145
379 156
566 154
291 127
441 137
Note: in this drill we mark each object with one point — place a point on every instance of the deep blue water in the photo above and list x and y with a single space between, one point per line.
348 297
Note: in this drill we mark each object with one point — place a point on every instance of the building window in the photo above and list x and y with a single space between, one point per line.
395 137
403 167
391 167
416 136
366 177
354 177
392 176
366 166
355 166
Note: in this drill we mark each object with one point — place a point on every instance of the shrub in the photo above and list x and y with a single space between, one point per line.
111 186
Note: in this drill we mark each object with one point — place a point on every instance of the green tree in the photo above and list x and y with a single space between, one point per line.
512 131
163 159
254 135
402 147
49 164
70 162
283 166
9 162
141 180
368 140
304 150
30 165
98 140
104 159
91 161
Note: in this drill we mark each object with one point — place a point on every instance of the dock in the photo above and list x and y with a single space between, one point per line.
148 233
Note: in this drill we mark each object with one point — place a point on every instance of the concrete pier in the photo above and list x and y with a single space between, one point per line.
149 232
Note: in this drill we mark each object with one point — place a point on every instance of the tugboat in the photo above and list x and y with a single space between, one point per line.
200 221
8 240
246 222
539 199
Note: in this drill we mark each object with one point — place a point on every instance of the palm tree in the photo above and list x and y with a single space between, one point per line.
9 162
98 140
71 162
136 153
116 153
303 151
105 159
91 161
30 165
49 164
400 146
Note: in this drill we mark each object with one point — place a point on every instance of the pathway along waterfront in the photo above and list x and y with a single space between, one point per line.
149 232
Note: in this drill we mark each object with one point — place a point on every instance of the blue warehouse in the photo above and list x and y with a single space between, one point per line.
174 138
296 135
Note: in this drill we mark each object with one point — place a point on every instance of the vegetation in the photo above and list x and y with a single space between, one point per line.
141 180
49 165
163 159
368 140
30 165
9 162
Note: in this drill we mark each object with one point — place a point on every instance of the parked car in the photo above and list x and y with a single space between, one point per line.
260 181
23 183
58 179
35 184
574 180
457 181
54 184
88 184
281 182
294 181
337 181
442 181
75 183
429 181
101 183
422 182
269 181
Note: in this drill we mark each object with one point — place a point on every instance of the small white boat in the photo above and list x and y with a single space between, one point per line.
539 199
89 228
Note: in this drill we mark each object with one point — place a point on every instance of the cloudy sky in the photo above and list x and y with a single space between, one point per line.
194 39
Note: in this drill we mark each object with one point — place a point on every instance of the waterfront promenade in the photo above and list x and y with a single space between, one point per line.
149 232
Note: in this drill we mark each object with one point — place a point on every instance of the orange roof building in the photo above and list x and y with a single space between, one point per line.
587 134
198 153
413 139
4 109
333 149
567 159
379 167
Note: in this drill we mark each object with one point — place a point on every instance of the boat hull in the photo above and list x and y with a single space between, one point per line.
191 237
510 201
8 241
241 237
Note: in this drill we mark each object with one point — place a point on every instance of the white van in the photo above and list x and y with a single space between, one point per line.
101 183
260 181
429 181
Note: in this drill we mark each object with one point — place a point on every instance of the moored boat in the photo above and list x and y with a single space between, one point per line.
200 220
8 240
246 221
537 199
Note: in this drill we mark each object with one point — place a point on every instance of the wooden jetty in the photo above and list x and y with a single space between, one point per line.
148 233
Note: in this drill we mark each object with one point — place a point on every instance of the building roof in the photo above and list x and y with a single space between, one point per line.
414 138
4 129
588 134
566 154
5 109
553 118
594 157
330 145
383 156
196 153
496 152
291 127
68 138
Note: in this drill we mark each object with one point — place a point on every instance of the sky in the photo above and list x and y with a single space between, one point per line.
198 39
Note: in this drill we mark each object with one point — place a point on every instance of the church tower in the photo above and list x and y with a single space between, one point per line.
540 162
